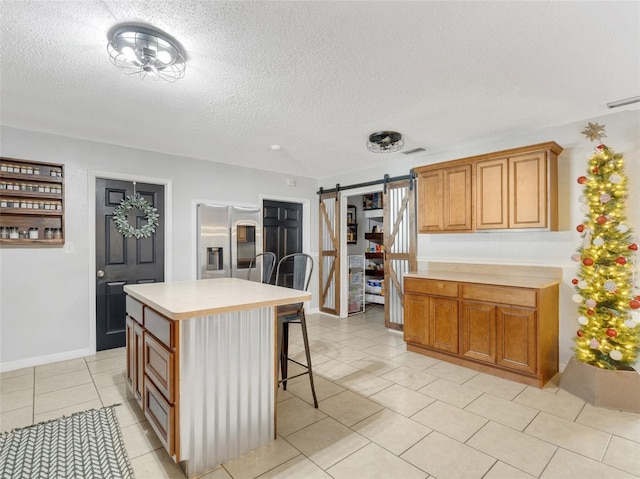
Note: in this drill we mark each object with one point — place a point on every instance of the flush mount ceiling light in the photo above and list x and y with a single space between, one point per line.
385 142
146 52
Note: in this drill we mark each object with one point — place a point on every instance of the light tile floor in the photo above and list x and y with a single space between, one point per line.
384 412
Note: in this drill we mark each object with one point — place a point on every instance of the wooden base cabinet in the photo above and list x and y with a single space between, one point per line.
511 332
152 369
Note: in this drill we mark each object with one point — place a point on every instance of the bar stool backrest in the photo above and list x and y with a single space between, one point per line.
268 263
302 269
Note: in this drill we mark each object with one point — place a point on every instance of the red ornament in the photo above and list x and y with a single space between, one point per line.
591 312
574 281
596 170
602 219
612 333
634 304
580 228
633 247
600 147
587 262
582 180
621 260
580 333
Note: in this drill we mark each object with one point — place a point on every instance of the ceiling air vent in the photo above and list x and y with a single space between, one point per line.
415 150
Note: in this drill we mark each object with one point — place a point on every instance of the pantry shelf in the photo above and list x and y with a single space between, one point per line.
31 203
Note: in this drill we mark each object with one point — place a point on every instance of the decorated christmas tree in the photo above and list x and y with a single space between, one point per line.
608 297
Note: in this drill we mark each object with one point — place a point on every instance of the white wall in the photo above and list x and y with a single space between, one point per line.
533 248
46 299
45 293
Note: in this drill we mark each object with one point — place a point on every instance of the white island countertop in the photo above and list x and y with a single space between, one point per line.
190 299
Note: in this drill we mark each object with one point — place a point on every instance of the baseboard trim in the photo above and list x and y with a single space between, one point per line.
40 360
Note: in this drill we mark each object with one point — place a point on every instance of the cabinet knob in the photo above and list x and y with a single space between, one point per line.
100 273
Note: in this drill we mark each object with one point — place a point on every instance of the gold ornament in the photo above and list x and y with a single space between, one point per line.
593 131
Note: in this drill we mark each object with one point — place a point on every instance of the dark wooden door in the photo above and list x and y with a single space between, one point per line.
282 225
121 260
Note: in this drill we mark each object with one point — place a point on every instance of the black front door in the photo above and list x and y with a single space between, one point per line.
282 223
121 260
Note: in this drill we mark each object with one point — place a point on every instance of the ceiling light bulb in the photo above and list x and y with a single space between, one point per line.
130 54
164 57
276 147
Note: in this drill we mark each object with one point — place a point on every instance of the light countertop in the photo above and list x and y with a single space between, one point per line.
189 299
486 278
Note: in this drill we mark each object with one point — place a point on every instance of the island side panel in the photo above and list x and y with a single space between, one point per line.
227 393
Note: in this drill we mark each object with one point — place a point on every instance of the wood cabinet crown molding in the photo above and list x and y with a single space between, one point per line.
551 146
507 189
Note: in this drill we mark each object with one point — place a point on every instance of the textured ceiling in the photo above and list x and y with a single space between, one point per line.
318 77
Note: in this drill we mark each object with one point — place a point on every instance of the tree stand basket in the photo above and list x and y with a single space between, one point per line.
613 389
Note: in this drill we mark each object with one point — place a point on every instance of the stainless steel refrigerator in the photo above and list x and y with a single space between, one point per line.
228 238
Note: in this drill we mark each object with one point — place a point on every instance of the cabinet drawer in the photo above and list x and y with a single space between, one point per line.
159 365
134 309
159 326
499 294
431 286
161 415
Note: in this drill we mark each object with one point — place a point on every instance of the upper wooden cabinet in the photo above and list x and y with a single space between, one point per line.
510 189
518 191
445 199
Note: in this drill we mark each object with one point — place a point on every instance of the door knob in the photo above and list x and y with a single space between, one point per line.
100 273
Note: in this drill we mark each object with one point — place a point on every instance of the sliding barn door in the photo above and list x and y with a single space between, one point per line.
399 245
329 268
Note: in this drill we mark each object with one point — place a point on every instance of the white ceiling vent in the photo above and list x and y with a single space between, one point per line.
415 150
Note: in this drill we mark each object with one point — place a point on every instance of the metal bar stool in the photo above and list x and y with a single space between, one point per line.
298 278
268 263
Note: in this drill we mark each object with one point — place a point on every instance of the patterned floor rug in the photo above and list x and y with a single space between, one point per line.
84 445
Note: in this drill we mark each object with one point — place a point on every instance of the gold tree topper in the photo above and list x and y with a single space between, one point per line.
593 131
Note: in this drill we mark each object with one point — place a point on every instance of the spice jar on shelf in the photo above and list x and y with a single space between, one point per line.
33 233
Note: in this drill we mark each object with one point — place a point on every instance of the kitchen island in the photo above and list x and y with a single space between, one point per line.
201 362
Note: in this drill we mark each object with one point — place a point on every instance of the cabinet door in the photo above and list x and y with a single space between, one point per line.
443 324
131 347
457 194
135 374
161 415
138 383
516 335
416 308
478 331
159 365
430 201
528 191
492 199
